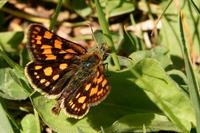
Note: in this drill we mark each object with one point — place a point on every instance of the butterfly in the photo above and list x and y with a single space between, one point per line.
65 71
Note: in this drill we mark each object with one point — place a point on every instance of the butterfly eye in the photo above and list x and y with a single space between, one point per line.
105 56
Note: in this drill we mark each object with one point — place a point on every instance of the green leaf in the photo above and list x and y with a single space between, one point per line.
135 122
58 123
127 44
165 93
9 88
2 3
159 53
125 98
191 77
5 125
118 7
169 33
29 124
79 6
11 40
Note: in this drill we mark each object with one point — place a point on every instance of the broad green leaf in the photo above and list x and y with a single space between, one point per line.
5 125
159 53
9 87
29 124
79 6
10 41
125 98
165 93
135 122
118 7
178 76
58 123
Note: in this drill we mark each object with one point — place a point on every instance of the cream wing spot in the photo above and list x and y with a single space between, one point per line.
84 106
38 38
37 28
87 87
42 81
70 102
99 79
78 95
38 67
48 71
93 91
55 77
104 82
100 92
35 32
82 99
47 83
63 66
73 105
38 42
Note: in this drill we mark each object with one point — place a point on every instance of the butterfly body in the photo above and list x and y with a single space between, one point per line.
65 71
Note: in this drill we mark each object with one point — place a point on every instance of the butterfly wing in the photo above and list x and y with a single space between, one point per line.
47 46
91 93
53 63
47 78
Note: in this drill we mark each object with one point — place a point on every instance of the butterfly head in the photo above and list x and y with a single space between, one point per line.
91 61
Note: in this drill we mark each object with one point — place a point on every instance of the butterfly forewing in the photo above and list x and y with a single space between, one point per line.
45 45
45 76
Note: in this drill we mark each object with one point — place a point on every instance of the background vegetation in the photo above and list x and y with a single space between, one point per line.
153 64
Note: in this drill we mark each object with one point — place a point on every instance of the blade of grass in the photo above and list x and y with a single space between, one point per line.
37 121
192 81
162 104
55 15
24 15
106 32
195 6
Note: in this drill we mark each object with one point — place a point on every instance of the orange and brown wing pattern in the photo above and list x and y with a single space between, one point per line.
65 70
47 78
100 88
91 93
45 45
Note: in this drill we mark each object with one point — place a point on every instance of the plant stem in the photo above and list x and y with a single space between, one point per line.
106 32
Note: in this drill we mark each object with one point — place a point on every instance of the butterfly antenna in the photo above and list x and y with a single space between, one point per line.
93 36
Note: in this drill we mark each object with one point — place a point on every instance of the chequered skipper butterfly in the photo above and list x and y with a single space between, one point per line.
65 71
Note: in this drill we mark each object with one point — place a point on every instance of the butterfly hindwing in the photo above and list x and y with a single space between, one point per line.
89 94
45 45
